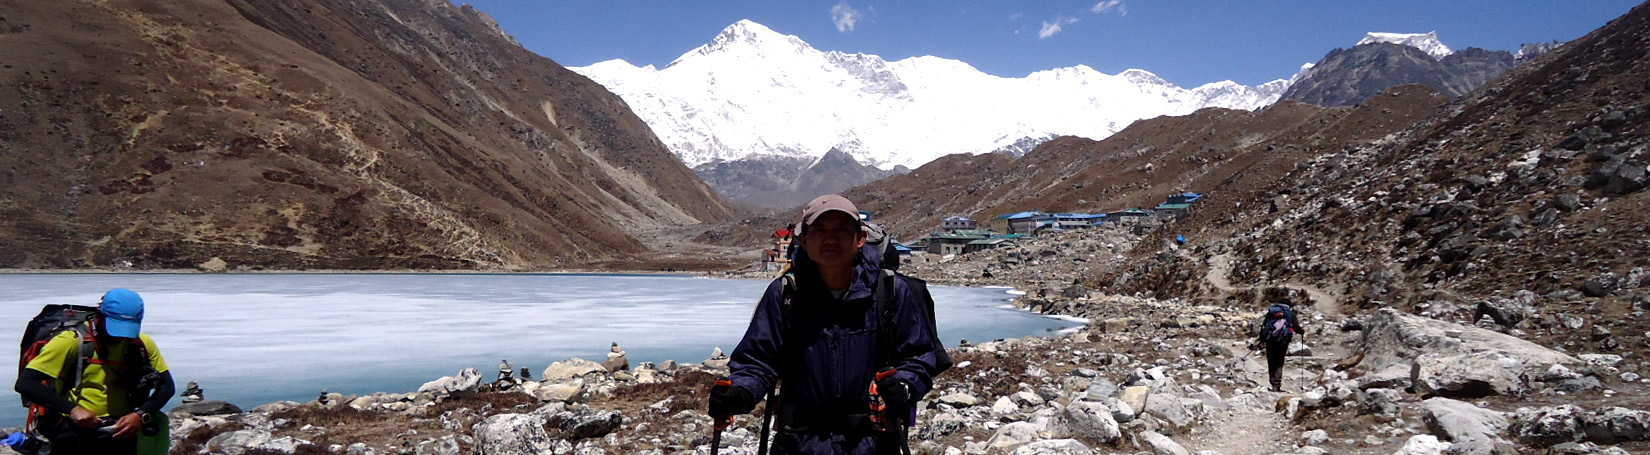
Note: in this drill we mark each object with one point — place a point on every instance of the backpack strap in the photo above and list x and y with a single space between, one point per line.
787 295
886 299
88 347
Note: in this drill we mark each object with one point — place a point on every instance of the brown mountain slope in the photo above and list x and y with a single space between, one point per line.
313 134
1219 151
1535 182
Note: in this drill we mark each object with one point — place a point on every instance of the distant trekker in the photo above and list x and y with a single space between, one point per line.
1277 328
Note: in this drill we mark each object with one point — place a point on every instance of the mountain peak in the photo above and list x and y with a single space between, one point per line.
746 29
1426 42
1140 76
749 35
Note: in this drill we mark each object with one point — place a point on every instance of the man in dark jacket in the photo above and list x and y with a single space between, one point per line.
1278 327
823 344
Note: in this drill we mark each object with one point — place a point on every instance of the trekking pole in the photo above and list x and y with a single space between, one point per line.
767 418
717 424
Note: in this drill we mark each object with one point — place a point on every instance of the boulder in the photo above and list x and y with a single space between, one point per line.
1314 438
1180 412
1053 447
1423 444
960 400
1004 407
1162 445
269 408
1100 389
1477 374
1547 426
1508 312
616 363
1584 448
242 441
208 408
466 383
1397 338
569 369
1135 397
1026 399
567 392
1013 435
445 445
1453 420
590 426
1613 425
512 434
1393 377
1087 421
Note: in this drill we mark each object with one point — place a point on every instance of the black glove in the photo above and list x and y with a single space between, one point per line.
729 401
895 393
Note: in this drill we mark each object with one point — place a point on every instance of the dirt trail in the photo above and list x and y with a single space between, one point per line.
1244 431
1220 269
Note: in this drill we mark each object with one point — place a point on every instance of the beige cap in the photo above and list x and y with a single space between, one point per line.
823 204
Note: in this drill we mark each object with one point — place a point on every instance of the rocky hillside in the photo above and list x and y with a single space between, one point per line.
1347 77
1535 182
314 134
785 182
1210 151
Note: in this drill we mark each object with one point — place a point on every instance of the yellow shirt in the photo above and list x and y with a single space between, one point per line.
95 392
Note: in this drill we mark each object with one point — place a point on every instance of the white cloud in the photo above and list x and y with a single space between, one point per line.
1110 5
845 17
1016 16
1051 28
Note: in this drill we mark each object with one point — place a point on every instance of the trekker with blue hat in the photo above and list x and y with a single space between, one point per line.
123 381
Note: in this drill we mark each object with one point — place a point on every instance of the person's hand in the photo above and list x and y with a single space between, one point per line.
128 425
896 394
83 418
728 401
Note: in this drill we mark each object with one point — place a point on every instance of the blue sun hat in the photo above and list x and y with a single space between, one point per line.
122 312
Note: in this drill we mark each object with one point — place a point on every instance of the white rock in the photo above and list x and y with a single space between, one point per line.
1162 445
960 400
1422 444
569 369
1013 435
466 383
1004 406
1053 447
1314 437
1087 421
512 434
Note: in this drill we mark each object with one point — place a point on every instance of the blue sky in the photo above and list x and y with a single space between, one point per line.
1189 43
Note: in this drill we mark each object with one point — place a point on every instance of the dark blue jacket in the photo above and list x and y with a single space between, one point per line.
827 357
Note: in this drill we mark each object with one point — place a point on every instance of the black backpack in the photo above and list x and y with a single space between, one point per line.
1274 325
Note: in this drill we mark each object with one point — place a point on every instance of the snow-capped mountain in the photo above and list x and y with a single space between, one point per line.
1426 42
753 92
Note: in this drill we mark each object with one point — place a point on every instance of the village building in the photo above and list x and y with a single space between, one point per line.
1128 215
1077 220
959 222
955 242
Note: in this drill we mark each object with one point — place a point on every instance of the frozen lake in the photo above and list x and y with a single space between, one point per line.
252 339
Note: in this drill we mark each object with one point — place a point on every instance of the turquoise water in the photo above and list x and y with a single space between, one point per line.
251 339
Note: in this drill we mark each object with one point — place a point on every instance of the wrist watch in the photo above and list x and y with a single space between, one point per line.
144 416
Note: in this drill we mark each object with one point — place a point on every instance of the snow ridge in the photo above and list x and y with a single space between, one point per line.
752 91
1426 42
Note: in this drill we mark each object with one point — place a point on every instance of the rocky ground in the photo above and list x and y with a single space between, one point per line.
1163 376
